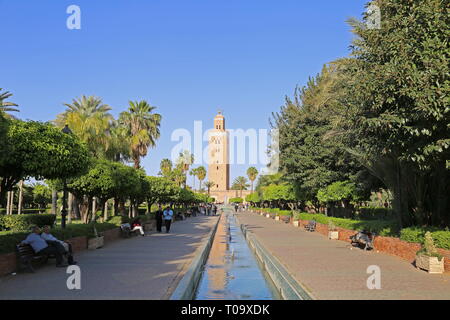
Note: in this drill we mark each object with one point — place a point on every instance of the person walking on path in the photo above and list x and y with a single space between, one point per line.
159 218
168 214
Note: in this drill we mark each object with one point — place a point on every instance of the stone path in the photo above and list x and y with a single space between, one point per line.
329 269
137 268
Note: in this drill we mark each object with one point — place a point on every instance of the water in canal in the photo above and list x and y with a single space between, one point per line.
232 272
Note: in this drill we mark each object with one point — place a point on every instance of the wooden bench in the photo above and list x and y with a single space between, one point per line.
311 226
125 230
26 256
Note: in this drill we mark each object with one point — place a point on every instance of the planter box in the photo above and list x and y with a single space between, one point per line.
277 218
431 264
333 235
96 243
296 223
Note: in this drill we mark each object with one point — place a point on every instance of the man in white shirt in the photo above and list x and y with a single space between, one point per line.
48 237
40 246
168 214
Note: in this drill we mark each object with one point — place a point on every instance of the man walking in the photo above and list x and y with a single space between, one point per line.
159 218
168 214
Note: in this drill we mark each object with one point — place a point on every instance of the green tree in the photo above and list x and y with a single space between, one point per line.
6 106
143 128
252 173
201 175
40 150
240 183
90 120
166 168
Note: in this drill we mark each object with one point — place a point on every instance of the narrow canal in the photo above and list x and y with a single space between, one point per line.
232 272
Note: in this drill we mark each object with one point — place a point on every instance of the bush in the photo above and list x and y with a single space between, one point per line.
9 239
415 234
236 200
23 222
372 213
119 220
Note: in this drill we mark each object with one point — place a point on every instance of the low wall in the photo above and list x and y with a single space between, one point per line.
393 246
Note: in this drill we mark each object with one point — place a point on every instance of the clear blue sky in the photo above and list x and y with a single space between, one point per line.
188 58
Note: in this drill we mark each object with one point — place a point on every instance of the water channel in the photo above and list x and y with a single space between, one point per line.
232 272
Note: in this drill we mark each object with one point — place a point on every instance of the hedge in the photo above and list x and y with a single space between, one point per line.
441 237
9 239
23 222
372 213
386 228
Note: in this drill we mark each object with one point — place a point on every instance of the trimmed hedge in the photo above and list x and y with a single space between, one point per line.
23 222
372 213
385 228
9 239
441 237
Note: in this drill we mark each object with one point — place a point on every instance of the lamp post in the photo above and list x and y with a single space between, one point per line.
65 130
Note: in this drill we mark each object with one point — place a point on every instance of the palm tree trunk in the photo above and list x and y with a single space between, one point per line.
19 205
105 211
94 207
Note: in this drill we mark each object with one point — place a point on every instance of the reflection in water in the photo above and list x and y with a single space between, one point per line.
232 272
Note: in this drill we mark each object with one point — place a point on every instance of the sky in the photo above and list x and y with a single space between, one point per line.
189 58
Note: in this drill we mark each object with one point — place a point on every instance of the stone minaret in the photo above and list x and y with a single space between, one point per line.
219 165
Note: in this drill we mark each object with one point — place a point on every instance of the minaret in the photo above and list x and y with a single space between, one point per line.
219 165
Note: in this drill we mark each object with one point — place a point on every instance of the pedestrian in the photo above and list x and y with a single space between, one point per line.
214 209
168 214
236 206
159 218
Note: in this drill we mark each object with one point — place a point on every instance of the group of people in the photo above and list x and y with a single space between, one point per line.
208 209
43 242
241 207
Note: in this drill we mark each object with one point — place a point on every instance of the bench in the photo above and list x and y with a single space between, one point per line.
26 256
363 239
311 226
125 230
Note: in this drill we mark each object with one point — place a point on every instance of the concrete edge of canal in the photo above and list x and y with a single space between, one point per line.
287 286
187 286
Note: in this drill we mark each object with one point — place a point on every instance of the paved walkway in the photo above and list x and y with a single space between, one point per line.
137 268
329 269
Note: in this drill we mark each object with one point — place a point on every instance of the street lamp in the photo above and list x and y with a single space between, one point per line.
65 130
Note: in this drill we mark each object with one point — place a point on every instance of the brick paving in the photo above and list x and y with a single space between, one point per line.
137 268
331 269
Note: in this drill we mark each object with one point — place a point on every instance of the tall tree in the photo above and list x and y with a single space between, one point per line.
90 120
209 185
143 128
201 175
6 106
252 173
165 168
240 183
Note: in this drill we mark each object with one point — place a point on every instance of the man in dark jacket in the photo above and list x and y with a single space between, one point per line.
159 218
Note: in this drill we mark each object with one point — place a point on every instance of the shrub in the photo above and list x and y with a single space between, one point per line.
119 220
415 234
373 213
23 222
236 200
429 249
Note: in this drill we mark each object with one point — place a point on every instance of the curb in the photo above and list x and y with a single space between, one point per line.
288 287
187 286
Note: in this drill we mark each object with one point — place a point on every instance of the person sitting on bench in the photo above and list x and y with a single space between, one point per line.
137 225
47 236
40 246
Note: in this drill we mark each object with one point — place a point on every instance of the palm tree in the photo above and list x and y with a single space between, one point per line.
201 175
165 167
183 163
143 128
209 185
252 173
90 120
6 106
193 173
240 183
118 148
